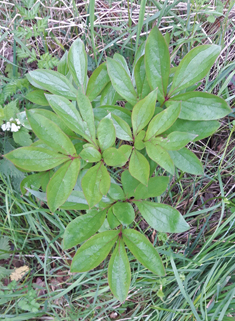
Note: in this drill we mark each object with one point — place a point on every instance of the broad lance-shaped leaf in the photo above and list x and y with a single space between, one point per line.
94 251
160 156
69 114
102 111
31 180
187 161
109 96
141 81
35 158
62 66
162 121
139 167
62 183
106 133
50 133
201 129
194 66
116 192
112 220
54 82
119 58
157 62
143 251
121 81
162 218
77 62
143 112
37 97
129 183
124 212
98 80
119 272
83 227
175 140
117 157
123 130
197 105
95 184
75 201
56 119
90 154
86 111
156 186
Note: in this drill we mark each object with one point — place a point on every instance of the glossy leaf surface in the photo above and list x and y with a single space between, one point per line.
187 161
62 183
35 158
94 251
143 251
119 272
129 183
124 212
162 218
156 186
97 82
106 133
54 82
139 167
83 227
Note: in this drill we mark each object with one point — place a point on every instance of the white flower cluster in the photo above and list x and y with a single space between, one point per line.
12 125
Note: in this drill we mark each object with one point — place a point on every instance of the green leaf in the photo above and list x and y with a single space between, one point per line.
83 227
112 220
29 181
50 133
157 62
201 129
102 111
119 58
93 184
116 192
98 80
35 158
116 157
123 130
86 111
62 183
160 156
109 96
143 112
69 114
141 81
94 251
156 186
121 81
76 201
162 121
187 161
37 97
162 218
119 272
22 137
129 183
54 82
77 63
139 167
143 251
62 66
175 140
106 133
56 119
90 154
139 144
194 66
10 110
197 105
124 212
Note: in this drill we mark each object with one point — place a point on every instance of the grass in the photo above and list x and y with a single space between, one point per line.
200 264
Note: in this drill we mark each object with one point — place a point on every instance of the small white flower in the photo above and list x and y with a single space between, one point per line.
17 121
14 128
4 127
11 119
8 125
